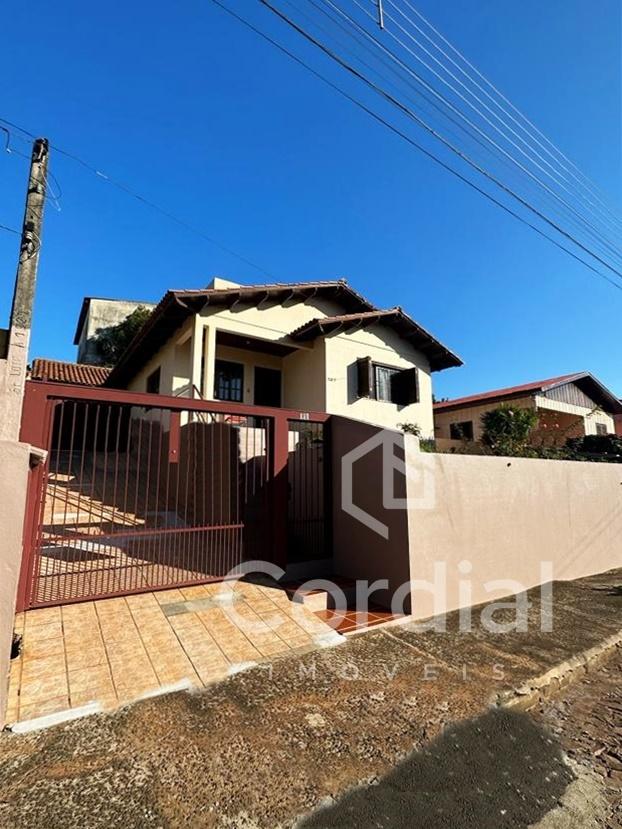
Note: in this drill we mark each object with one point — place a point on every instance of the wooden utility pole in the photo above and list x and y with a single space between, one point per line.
13 372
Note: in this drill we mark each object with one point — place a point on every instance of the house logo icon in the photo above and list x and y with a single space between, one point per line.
416 467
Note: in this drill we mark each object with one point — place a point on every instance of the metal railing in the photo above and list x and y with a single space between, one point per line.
144 492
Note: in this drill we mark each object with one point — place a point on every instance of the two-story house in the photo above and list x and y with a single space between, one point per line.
307 346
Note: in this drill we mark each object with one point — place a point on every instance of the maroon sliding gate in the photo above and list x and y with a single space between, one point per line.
142 492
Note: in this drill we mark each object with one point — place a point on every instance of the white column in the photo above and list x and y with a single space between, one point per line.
203 338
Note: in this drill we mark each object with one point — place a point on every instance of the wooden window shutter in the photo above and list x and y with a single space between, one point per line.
365 377
405 387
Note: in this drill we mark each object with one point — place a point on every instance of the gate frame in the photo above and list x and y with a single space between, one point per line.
40 399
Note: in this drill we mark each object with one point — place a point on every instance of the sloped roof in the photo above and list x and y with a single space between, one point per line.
176 306
79 374
439 356
583 379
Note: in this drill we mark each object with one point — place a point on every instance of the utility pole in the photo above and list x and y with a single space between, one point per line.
13 372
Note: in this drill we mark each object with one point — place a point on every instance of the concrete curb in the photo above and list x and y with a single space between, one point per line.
58 718
547 685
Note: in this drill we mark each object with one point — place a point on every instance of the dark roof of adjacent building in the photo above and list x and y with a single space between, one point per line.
176 306
586 381
79 374
439 356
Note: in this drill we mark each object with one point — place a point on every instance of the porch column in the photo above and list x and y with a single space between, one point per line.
203 356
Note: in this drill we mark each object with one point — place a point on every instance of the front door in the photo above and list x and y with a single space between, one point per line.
267 387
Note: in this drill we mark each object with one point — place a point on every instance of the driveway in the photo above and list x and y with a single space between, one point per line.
266 747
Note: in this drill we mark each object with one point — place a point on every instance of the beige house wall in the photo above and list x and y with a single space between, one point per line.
14 463
169 359
383 346
317 376
304 379
505 516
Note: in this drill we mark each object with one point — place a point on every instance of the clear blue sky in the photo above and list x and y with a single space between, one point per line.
198 114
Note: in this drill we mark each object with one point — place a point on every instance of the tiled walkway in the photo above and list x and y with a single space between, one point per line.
115 650
353 621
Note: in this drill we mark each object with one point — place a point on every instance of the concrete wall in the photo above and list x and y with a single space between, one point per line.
14 466
507 515
504 517
358 551
103 313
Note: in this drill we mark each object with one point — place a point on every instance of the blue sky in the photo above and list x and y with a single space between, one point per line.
196 113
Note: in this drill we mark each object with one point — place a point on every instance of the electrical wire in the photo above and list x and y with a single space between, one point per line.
143 199
594 232
589 184
378 118
354 34
607 214
413 116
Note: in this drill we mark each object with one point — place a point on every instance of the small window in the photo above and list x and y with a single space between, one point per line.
387 383
461 431
153 382
228 381
383 382
601 429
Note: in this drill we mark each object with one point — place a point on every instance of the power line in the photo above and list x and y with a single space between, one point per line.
495 149
9 229
594 232
144 200
413 116
411 141
608 214
590 185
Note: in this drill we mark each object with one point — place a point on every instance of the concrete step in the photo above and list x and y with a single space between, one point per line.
318 598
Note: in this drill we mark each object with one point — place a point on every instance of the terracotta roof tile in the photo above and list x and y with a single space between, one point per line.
439 356
79 374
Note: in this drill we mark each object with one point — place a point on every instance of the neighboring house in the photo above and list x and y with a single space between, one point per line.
569 406
79 374
309 346
96 315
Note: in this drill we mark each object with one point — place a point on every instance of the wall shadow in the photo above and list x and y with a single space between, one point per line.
496 771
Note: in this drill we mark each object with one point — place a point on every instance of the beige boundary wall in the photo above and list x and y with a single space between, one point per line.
506 517
14 466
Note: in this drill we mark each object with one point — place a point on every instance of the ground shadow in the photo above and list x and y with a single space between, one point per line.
499 771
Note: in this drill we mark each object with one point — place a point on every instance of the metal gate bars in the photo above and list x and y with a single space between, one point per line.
141 492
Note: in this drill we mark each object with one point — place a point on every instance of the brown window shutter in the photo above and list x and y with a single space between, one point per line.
365 377
405 387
